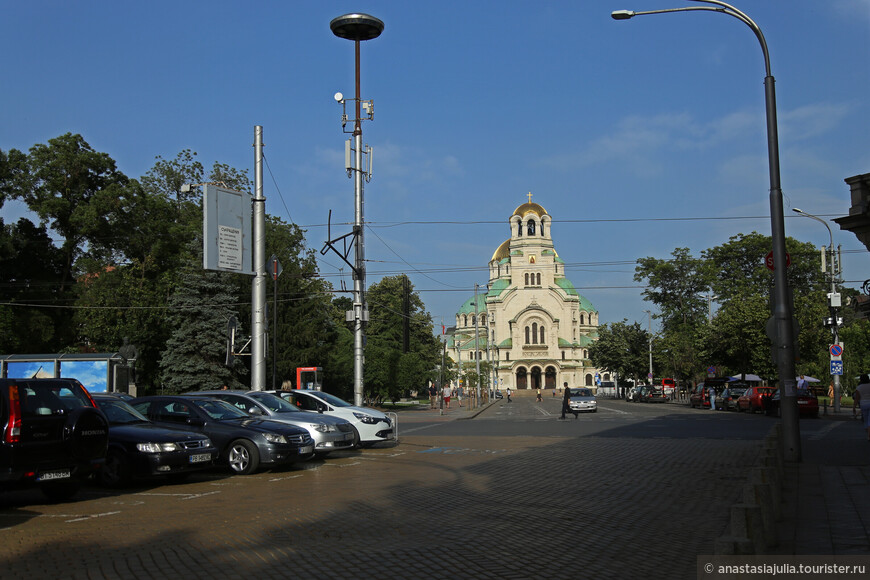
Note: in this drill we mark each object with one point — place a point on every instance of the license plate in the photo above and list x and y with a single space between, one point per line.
50 475
306 450
200 458
802 403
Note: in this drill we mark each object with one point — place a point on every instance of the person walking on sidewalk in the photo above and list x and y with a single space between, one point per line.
445 392
433 395
565 401
509 395
862 398
459 395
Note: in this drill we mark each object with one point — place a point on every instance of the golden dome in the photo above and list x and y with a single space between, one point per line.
503 251
530 207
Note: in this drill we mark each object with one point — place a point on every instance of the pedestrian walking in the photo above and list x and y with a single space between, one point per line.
539 396
802 384
433 395
445 392
565 401
861 399
509 395
712 395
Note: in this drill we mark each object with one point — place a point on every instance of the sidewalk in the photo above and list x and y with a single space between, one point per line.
826 497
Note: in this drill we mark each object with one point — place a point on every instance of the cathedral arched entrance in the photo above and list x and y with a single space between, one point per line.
535 381
550 378
521 378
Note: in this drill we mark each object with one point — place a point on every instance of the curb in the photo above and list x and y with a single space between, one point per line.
753 521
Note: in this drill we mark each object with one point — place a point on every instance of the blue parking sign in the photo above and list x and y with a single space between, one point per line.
836 367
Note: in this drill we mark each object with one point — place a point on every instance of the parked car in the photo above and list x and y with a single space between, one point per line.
498 394
370 425
652 394
139 448
54 436
727 399
582 399
752 399
700 397
808 404
328 433
244 443
633 394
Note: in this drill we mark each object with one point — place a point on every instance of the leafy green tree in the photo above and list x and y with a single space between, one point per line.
385 370
72 188
622 348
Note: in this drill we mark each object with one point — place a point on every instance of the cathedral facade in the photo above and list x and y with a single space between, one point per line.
529 321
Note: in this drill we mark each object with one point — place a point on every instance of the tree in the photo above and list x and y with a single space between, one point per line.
387 366
199 309
73 188
622 348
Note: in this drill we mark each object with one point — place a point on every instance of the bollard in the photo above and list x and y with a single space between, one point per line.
759 494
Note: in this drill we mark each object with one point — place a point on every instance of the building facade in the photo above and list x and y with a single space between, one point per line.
529 321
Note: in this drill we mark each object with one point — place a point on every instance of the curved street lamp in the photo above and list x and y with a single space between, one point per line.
833 302
783 341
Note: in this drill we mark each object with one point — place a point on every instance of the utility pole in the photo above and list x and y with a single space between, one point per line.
357 27
477 342
258 290
649 318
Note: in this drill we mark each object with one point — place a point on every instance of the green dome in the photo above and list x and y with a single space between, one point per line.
468 306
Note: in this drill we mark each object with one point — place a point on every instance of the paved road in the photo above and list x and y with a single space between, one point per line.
631 491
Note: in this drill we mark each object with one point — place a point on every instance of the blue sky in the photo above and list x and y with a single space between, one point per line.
637 136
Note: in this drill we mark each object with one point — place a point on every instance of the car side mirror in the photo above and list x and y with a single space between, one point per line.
255 410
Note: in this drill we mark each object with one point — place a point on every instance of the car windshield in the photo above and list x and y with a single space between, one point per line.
219 410
581 393
274 403
331 399
52 399
120 413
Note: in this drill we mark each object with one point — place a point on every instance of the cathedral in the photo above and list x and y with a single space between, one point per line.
529 321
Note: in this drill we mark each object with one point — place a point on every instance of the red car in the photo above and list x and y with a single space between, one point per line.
753 399
808 404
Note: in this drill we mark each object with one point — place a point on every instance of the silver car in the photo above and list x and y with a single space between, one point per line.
329 433
582 400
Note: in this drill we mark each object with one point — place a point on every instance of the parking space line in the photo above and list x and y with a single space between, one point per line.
825 430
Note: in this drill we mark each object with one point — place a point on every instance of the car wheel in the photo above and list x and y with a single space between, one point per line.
243 457
60 491
87 433
116 470
356 441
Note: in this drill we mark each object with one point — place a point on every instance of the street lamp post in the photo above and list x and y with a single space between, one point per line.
357 27
833 301
782 307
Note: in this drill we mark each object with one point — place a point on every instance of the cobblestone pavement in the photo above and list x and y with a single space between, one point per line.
435 505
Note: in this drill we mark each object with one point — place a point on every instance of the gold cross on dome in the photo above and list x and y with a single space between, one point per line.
530 197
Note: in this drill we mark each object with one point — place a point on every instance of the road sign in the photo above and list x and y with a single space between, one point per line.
836 350
836 367
768 260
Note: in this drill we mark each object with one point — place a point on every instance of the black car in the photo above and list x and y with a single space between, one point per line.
53 435
652 394
139 448
243 442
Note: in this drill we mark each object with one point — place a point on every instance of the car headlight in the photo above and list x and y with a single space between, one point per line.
156 447
367 419
319 427
274 438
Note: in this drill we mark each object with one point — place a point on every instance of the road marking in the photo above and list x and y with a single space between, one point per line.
458 450
78 517
182 496
825 430
283 478
543 411
614 410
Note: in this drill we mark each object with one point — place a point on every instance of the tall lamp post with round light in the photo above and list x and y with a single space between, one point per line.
783 339
833 301
358 27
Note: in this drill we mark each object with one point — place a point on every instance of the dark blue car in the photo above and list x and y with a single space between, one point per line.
243 442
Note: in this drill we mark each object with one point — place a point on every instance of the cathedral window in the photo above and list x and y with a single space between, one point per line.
542 335
473 320
534 333
539 279
519 228
527 278
527 336
531 227
582 319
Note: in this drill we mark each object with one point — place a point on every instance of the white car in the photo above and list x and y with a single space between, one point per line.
582 400
370 425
